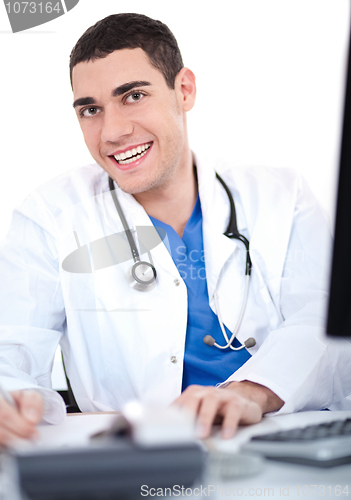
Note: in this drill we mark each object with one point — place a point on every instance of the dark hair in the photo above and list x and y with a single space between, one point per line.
130 31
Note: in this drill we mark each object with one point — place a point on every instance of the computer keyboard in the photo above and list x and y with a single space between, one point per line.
325 445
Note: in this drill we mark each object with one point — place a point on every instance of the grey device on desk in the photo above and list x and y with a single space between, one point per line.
112 466
326 444
107 470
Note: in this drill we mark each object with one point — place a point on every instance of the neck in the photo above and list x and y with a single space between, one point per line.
174 201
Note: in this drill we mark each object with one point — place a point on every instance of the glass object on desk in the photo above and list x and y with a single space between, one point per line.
227 465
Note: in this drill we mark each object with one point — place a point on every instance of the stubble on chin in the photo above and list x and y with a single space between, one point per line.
149 183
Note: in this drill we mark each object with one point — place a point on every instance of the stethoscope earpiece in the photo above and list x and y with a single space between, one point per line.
208 340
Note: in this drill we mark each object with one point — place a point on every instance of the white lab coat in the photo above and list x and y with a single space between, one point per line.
119 343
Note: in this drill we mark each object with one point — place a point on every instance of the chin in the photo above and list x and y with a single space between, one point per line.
132 186
136 186
136 189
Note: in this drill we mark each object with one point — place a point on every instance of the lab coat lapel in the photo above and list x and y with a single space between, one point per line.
215 212
260 191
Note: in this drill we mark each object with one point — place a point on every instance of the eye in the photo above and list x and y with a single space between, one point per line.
134 97
89 111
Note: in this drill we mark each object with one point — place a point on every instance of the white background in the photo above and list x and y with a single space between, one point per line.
270 77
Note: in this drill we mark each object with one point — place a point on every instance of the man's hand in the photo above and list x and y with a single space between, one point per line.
237 403
20 420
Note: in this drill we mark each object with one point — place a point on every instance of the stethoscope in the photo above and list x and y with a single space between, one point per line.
142 275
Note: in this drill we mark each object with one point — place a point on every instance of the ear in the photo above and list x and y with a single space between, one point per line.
185 88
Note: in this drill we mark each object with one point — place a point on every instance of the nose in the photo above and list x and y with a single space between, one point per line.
115 125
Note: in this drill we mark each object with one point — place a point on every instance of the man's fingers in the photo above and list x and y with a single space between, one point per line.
239 412
19 421
208 403
206 415
6 436
191 398
231 420
237 404
30 405
12 423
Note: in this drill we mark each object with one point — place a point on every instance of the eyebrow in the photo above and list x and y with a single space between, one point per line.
84 100
122 89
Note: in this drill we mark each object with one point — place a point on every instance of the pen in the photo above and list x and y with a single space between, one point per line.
7 396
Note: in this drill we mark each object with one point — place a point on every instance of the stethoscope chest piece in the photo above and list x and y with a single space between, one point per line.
142 276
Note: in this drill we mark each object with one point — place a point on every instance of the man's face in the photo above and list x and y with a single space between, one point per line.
133 123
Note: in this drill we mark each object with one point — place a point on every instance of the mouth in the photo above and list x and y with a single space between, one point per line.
132 155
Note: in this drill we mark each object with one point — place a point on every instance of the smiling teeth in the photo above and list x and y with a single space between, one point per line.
132 154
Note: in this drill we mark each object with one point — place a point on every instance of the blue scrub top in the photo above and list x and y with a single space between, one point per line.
203 364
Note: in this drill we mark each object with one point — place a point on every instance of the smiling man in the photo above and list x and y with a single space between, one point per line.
121 342
134 126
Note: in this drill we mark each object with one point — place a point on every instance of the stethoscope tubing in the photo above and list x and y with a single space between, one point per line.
140 268
240 318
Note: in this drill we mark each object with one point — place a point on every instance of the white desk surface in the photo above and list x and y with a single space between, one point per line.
278 480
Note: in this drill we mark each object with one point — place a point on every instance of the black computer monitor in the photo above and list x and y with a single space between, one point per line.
339 312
